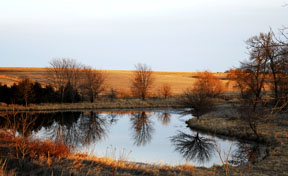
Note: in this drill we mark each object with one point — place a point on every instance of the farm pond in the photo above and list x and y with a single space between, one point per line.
144 136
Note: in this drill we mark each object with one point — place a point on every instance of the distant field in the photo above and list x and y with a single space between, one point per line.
117 79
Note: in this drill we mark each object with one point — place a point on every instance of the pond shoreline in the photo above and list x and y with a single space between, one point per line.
228 134
225 136
271 134
98 105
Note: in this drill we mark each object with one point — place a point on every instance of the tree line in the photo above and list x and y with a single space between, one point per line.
68 81
26 91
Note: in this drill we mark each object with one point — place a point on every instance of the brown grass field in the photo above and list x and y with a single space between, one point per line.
117 79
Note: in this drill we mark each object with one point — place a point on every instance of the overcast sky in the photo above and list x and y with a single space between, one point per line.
168 35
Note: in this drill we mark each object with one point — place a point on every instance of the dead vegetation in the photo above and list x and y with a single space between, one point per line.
101 104
47 157
272 133
199 98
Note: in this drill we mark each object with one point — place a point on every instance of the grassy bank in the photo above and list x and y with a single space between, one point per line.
274 133
101 104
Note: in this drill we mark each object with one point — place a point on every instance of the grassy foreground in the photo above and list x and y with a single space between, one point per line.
49 158
274 133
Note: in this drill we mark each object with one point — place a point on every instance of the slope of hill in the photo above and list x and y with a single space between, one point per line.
117 79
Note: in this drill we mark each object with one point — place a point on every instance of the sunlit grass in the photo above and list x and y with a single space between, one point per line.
118 79
99 104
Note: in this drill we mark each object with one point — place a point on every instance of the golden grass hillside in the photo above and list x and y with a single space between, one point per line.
117 79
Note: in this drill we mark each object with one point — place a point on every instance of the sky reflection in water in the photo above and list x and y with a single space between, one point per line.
158 136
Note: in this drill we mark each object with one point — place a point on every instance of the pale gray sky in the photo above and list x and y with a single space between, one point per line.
169 35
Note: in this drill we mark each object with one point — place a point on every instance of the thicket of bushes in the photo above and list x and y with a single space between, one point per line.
26 92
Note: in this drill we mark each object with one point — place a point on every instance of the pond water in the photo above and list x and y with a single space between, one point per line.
151 136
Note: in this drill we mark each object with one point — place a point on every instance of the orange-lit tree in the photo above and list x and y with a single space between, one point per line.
199 99
209 84
93 82
165 91
267 65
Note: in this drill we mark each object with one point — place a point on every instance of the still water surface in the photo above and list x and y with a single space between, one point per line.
153 136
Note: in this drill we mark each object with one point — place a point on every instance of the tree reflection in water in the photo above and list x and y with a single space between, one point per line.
142 128
93 127
193 147
20 123
64 127
80 129
88 128
164 117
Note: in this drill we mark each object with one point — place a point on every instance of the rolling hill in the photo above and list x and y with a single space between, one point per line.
117 79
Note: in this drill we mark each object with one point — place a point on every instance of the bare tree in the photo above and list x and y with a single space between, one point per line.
270 53
199 98
283 75
268 49
250 78
165 90
25 90
63 72
252 113
198 102
142 81
265 66
93 82
255 76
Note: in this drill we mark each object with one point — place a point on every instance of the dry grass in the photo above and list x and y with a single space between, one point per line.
35 148
271 133
48 148
47 157
104 164
100 104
